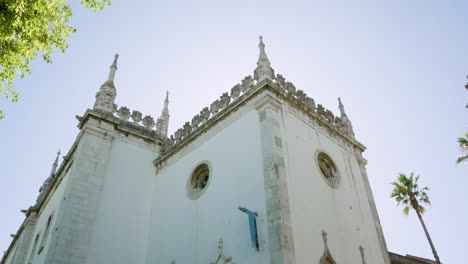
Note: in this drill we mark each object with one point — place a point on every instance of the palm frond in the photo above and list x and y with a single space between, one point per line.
462 159
406 210
406 188
463 143
422 209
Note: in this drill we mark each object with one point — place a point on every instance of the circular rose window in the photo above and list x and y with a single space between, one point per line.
198 181
328 169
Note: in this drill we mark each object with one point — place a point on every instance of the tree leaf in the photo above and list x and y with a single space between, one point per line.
406 210
29 28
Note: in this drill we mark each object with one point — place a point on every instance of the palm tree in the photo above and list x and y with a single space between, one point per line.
407 192
463 143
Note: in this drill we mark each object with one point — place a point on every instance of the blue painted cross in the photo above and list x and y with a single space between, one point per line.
253 226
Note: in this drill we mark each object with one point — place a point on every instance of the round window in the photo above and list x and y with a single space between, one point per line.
328 169
198 181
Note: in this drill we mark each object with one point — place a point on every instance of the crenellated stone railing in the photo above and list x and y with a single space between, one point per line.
280 84
147 122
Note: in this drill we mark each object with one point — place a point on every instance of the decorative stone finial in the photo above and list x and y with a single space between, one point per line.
48 182
325 241
326 257
54 165
163 121
106 96
263 69
346 125
361 249
221 256
113 68
341 106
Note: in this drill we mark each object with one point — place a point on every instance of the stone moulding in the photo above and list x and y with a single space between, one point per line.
126 126
240 94
143 131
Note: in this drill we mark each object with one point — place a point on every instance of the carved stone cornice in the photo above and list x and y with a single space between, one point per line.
143 131
31 219
242 93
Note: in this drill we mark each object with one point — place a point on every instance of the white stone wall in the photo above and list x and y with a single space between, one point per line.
20 249
188 230
344 213
101 208
52 207
114 208
120 231
79 206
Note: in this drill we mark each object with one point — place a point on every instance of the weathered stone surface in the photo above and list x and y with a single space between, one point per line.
148 122
235 92
215 106
124 113
136 116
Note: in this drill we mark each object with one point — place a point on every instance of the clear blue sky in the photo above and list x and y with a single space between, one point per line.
399 68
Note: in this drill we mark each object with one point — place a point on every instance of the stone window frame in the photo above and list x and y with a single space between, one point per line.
193 194
46 232
33 249
337 183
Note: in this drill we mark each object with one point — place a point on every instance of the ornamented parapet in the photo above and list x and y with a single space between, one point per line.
147 122
247 85
199 120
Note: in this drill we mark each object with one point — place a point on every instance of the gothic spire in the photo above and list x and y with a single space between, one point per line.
341 106
113 68
54 165
165 111
346 123
47 183
162 124
107 93
263 69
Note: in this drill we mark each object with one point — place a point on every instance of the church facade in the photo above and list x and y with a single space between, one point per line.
262 175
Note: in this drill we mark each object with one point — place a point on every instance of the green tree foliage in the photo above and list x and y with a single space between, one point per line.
463 143
406 191
28 28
